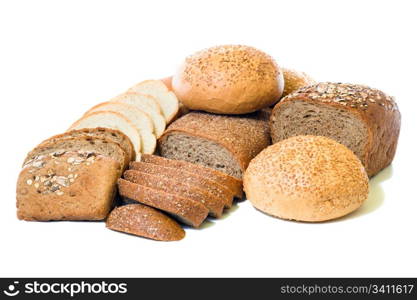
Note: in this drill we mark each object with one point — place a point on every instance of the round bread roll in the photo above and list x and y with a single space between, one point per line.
306 178
294 80
230 79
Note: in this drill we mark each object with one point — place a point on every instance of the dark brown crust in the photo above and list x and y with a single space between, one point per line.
378 111
142 220
189 211
185 177
244 136
230 182
214 204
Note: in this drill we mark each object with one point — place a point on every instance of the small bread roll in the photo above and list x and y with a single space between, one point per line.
306 178
293 80
230 79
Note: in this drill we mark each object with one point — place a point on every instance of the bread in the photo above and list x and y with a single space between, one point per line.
106 133
234 184
187 178
293 80
365 120
112 120
144 221
137 117
214 204
167 100
306 178
83 144
67 186
186 210
231 79
224 143
168 82
149 105
182 110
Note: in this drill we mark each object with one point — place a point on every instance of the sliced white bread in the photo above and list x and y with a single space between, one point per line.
112 120
166 99
149 105
140 119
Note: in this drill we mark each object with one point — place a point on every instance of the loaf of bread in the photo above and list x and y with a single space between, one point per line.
306 178
365 120
230 79
222 142
64 185
145 221
293 80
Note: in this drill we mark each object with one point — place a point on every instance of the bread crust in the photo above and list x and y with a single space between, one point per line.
378 111
293 80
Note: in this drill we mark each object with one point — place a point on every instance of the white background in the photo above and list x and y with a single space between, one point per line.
58 58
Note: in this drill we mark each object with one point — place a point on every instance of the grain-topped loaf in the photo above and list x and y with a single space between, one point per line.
67 186
365 120
83 144
222 142
214 204
186 210
145 221
114 135
234 184
188 178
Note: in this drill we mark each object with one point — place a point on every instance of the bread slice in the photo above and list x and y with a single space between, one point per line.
67 186
114 135
145 221
149 105
215 205
186 210
141 120
188 178
82 144
234 184
112 120
166 99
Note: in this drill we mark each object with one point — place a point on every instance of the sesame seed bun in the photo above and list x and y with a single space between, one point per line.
231 79
306 178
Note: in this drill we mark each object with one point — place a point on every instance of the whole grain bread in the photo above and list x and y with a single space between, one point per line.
234 184
188 178
186 210
214 204
67 186
225 143
365 120
145 221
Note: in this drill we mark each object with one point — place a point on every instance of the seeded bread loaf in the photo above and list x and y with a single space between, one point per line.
186 210
106 133
142 220
234 184
83 144
188 178
225 143
67 186
365 120
214 205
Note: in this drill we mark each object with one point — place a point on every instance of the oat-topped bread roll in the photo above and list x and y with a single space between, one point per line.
230 79
365 120
293 80
306 178
224 143
67 186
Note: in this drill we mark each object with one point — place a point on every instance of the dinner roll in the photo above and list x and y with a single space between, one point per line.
231 79
306 178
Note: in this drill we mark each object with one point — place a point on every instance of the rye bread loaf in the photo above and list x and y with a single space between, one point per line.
84 144
234 184
107 133
188 211
188 178
214 205
145 221
365 120
67 186
222 142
